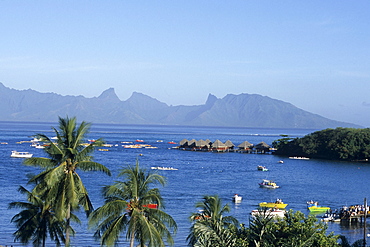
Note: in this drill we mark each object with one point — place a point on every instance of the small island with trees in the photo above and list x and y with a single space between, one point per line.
347 144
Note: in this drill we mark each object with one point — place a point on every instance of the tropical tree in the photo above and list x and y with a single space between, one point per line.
133 206
262 229
36 221
210 226
298 230
293 230
59 182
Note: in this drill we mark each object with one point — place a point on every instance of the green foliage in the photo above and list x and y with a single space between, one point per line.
293 230
337 144
126 209
36 221
297 230
59 183
211 227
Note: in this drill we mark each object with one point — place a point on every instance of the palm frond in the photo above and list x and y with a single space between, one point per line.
41 162
93 166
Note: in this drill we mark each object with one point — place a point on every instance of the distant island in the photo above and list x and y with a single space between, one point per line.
335 144
243 110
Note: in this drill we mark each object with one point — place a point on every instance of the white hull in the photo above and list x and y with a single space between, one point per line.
274 213
237 199
16 154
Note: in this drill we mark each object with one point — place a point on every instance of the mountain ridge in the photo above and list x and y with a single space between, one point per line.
243 110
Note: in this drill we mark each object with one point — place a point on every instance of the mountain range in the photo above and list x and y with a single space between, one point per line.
243 110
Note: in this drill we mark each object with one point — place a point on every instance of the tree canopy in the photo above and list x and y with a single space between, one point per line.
336 144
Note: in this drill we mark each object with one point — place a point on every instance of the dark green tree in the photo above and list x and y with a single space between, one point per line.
59 182
210 226
297 230
335 144
128 209
262 230
36 221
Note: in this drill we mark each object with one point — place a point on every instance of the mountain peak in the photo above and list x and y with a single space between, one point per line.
211 100
109 94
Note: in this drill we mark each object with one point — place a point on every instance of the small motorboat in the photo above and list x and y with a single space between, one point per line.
237 198
163 168
318 209
278 213
269 184
262 168
281 161
277 204
16 154
299 158
331 217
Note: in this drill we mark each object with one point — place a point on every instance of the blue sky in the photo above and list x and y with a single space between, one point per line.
313 54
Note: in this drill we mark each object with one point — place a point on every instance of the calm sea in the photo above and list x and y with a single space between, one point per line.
333 184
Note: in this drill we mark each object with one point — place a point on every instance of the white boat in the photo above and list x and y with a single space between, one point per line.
237 198
16 154
269 184
39 146
268 212
164 168
298 158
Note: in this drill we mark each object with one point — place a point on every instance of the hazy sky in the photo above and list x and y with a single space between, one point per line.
313 54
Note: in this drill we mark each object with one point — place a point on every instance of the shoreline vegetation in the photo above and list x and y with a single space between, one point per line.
346 144
133 208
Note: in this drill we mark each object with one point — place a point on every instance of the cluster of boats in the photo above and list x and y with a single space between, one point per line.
277 209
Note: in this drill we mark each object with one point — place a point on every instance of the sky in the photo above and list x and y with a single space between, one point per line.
312 54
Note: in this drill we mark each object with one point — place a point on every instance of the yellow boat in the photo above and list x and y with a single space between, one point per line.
278 204
315 209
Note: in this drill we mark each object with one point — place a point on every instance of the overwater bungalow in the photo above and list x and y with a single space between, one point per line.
201 145
230 145
183 142
191 145
219 146
245 147
262 148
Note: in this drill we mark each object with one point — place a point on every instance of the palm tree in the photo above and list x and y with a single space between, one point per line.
261 229
36 221
129 207
211 227
60 182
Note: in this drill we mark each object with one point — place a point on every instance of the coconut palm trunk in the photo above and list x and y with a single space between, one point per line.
132 240
68 225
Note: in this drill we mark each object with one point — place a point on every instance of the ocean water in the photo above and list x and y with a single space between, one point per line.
334 184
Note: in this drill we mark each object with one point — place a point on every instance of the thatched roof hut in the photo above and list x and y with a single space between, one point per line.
183 142
218 144
245 145
192 143
262 147
229 144
201 143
